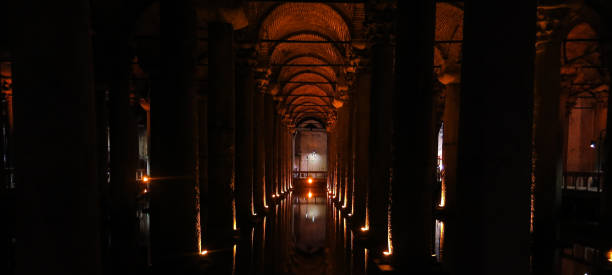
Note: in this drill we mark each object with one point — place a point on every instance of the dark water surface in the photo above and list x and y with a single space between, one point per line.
304 234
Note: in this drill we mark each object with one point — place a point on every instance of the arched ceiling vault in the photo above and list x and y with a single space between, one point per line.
582 68
305 46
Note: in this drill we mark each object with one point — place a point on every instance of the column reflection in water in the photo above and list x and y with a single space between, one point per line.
439 241
302 234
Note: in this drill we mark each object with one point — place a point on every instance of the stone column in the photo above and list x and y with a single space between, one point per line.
414 138
548 142
124 159
349 156
606 214
340 147
7 188
244 138
494 150
112 63
287 154
277 148
259 153
381 122
174 228
275 155
288 160
450 118
221 134
332 158
203 159
362 152
269 142
57 204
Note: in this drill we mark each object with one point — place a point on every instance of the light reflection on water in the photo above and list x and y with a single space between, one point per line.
302 235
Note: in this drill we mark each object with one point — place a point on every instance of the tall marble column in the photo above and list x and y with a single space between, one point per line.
174 224
259 152
381 124
414 138
269 144
362 152
548 142
348 158
495 137
244 137
57 205
112 63
449 160
341 148
606 213
221 135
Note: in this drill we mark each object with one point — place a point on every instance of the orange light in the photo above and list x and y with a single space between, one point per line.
203 252
145 179
609 254
309 194
274 195
309 180
386 253
365 228
145 191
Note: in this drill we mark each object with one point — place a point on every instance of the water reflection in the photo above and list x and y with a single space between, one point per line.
304 233
309 223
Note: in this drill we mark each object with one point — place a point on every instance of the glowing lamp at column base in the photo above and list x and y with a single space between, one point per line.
387 253
309 180
365 228
145 179
609 255
203 252
309 194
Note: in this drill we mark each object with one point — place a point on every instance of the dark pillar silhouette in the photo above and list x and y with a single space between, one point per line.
362 153
381 123
606 211
58 229
494 152
112 61
244 138
259 153
450 118
173 143
268 136
414 138
548 146
221 133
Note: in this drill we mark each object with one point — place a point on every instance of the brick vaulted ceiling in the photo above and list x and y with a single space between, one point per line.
306 48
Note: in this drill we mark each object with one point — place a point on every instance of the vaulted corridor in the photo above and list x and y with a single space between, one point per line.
344 137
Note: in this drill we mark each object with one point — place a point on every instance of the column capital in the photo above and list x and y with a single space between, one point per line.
331 121
379 23
548 25
262 78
